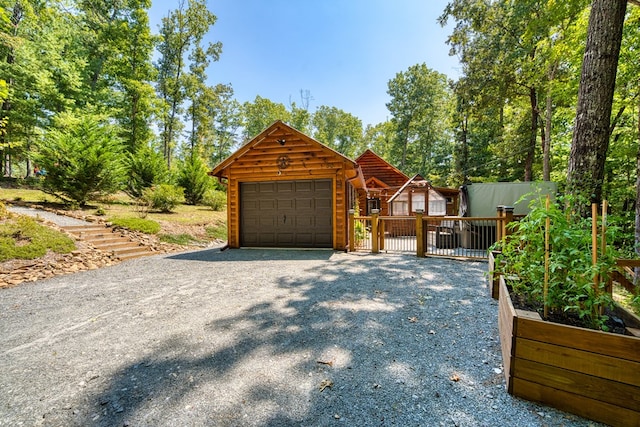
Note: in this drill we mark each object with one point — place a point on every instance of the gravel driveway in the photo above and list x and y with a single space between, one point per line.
259 338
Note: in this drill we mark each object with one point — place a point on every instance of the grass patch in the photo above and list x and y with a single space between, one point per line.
179 239
23 238
143 225
218 231
626 299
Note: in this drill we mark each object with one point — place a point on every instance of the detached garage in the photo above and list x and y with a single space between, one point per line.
287 190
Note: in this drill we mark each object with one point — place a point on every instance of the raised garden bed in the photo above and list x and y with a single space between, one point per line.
586 372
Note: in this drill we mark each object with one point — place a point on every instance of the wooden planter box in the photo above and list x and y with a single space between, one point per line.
494 279
589 373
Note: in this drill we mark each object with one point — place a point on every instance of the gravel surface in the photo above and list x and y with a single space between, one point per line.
259 338
61 220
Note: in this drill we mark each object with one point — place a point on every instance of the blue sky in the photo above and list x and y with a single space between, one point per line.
342 51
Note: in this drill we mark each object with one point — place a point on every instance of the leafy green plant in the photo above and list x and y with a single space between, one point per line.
194 179
164 197
360 232
83 160
146 168
147 226
215 199
24 238
571 283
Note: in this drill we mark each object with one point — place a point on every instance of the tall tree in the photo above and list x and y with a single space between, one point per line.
419 108
259 114
198 93
179 30
597 82
338 129
227 120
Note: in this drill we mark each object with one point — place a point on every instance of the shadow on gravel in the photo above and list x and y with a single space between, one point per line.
355 339
216 255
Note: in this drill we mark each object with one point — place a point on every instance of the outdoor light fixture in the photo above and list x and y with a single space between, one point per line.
281 141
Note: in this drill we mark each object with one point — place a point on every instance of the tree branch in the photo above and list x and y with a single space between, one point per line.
634 2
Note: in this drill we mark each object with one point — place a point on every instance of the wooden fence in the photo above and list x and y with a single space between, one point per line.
457 237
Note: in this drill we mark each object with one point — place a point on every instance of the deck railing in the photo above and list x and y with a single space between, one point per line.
459 237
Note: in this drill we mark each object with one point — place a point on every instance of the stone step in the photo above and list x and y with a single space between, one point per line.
106 240
131 255
110 246
88 229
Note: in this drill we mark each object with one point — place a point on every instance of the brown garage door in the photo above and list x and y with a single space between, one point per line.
292 214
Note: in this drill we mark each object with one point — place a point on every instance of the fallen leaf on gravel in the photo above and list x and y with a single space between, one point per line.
455 378
330 363
413 319
325 383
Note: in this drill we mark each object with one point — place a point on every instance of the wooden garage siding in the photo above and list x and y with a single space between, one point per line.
306 160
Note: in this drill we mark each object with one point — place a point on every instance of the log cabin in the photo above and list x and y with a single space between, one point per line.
287 190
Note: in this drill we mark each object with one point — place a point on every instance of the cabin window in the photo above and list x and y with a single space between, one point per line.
401 205
372 204
417 202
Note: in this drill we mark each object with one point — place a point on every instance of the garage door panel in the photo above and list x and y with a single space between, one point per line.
267 204
286 214
323 204
305 221
305 203
286 187
285 204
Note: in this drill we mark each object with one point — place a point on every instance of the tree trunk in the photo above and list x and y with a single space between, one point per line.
597 82
548 117
531 149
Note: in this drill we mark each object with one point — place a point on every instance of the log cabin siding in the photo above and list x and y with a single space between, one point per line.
281 153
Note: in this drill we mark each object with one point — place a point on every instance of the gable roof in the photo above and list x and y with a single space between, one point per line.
353 172
374 166
417 179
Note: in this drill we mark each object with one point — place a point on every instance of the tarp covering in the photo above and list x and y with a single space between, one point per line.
481 199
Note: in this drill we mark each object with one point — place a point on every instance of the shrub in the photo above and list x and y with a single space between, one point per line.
194 179
215 199
164 197
82 160
146 168
147 226
24 238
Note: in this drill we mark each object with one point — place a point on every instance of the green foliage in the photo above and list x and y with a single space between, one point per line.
215 199
147 226
82 160
261 113
217 232
146 168
420 105
360 232
339 130
24 238
164 197
571 278
195 181
178 239
4 213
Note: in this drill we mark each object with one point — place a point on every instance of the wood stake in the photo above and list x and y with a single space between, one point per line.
546 258
594 248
